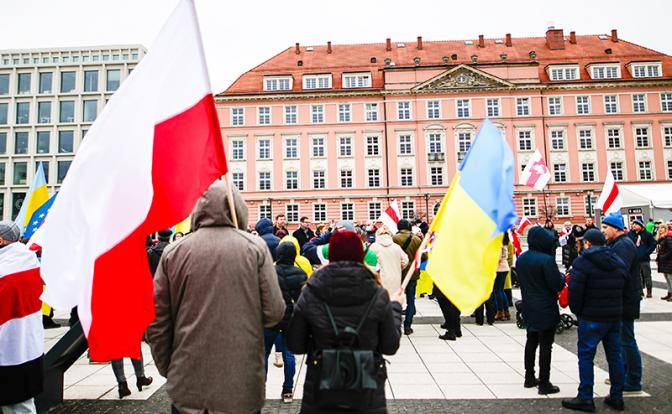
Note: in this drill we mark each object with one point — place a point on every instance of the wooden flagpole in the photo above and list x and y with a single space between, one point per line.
229 196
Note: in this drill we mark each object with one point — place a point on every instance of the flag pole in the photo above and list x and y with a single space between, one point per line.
411 269
229 196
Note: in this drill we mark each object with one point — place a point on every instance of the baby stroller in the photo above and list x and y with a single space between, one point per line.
566 319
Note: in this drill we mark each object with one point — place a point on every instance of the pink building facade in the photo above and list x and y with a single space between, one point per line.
337 132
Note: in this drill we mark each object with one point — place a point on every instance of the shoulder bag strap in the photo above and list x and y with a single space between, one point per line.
331 318
368 310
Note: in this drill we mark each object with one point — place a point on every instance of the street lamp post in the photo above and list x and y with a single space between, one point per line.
427 206
270 207
590 203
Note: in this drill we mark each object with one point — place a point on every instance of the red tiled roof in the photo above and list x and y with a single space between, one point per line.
351 58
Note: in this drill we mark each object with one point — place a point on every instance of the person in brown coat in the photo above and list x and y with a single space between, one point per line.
214 292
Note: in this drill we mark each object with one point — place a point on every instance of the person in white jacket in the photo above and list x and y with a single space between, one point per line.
391 260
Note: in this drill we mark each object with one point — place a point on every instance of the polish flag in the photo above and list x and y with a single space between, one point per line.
535 174
610 199
522 225
391 216
517 247
146 160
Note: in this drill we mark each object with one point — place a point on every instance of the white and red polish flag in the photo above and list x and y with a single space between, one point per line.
390 217
523 224
146 160
610 199
536 173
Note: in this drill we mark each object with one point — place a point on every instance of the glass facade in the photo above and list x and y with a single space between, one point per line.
67 111
44 112
113 79
45 82
91 81
68 81
43 142
21 142
66 142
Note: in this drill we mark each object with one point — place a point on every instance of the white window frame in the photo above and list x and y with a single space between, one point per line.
319 175
523 104
586 171
460 143
406 111
294 180
581 139
401 145
666 135
436 176
234 151
666 101
567 206
669 169
369 145
406 174
375 210
583 105
529 207
287 148
608 104
355 80
433 109
265 211
291 118
407 209
646 67
636 104
561 139
317 81
605 71
560 172
611 138
344 112
554 105
349 146
274 83
319 213
640 176
259 181
462 110
529 138
434 142
343 174
267 117
259 149
561 72
620 171
292 216
371 112
636 135
238 177
235 116
317 114
370 176
323 146
349 213
492 107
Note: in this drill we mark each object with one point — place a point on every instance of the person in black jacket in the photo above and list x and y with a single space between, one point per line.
646 245
540 283
265 229
347 287
596 298
625 249
664 259
291 280
154 253
303 234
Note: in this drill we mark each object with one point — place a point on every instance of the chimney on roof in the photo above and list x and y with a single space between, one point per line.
329 47
555 39
614 35
297 49
508 40
388 44
572 37
481 41
419 42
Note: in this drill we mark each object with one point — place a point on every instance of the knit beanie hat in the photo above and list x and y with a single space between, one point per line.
638 221
345 245
404 224
614 220
595 237
9 231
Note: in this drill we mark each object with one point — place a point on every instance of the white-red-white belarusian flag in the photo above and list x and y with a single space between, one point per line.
523 224
146 160
610 199
536 173
390 217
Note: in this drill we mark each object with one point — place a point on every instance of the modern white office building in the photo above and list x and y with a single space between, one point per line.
48 100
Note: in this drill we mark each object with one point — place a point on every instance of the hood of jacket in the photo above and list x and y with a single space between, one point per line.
384 239
541 240
264 226
293 240
285 254
603 258
212 209
343 283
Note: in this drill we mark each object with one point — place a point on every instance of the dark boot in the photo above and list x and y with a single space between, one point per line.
668 296
408 331
579 405
649 292
143 382
548 388
448 336
530 381
617 405
123 390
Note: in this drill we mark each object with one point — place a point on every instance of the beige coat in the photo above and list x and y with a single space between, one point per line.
503 265
391 260
215 291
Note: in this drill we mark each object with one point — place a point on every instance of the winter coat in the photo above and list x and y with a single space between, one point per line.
596 285
214 293
291 280
309 250
664 258
154 256
300 261
303 235
391 261
412 248
503 265
265 229
540 281
347 287
626 250
645 244
569 251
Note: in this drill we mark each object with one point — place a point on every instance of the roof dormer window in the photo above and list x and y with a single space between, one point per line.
605 71
317 81
564 72
277 83
357 80
646 69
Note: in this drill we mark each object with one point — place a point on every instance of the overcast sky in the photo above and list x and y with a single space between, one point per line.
241 34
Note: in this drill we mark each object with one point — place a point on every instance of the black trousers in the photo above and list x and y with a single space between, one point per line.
489 307
544 340
450 313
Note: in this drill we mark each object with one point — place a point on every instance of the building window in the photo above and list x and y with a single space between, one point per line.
646 71
4 83
237 116
555 105
610 104
66 142
570 73
606 72
435 143
319 213
43 142
291 114
317 114
344 113
292 180
560 173
345 147
43 112
436 175
20 143
645 171
20 173
616 168
4 109
113 79
642 137
318 147
492 107
463 144
90 110
406 177
585 139
589 205
3 168
372 145
669 170
45 82
357 80
346 178
22 112
67 111
23 87
613 138
666 102
375 210
433 109
374 177
403 110
265 211
291 147
463 108
317 81
264 115
371 110
319 180
237 150
583 105
292 213
405 146
522 106
529 207
525 140
667 136
238 180
587 172
557 140
562 206
62 168
639 103
347 211
90 81
264 180
277 84
3 143
407 210
264 149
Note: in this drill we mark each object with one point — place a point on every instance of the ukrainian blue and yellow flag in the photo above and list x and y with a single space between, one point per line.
469 226
38 217
36 197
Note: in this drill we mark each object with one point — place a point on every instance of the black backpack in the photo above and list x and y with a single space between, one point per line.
347 370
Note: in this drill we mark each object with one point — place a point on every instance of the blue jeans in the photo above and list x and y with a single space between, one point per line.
632 360
287 357
501 301
590 336
410 303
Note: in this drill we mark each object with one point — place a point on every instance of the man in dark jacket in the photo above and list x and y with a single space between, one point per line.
154 253
303 234
409 244
540 283
625 249
596 298
291 280
309 250
265 229
646 245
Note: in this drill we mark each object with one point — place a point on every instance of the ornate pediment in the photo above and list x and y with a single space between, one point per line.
462 77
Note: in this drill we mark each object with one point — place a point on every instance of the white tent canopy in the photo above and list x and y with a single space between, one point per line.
654 195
